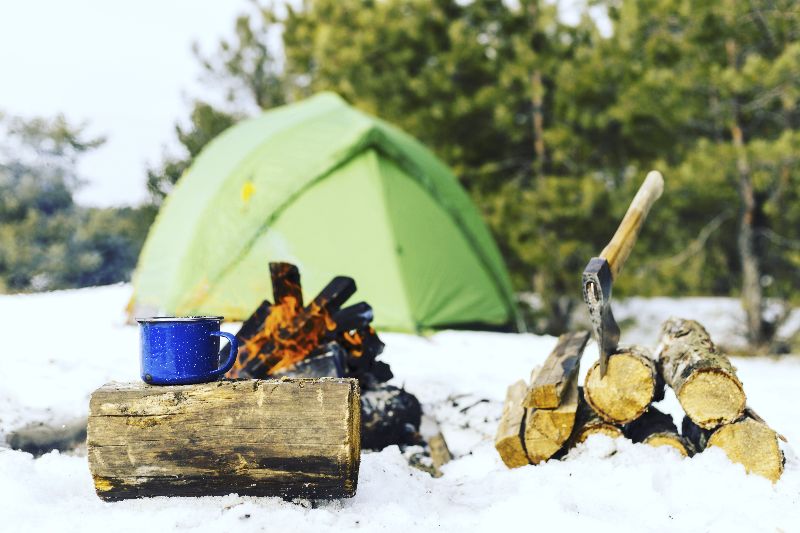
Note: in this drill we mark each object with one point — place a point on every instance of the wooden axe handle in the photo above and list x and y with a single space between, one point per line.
618 250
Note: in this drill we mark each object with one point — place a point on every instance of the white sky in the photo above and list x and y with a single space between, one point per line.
125 67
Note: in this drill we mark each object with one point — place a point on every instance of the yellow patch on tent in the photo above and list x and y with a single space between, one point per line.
248 189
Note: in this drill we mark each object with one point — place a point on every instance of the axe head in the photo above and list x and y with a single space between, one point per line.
597 283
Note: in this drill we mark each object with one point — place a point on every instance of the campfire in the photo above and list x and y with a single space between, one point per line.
325 339
552 414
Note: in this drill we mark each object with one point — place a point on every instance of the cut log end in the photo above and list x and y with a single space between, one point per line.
626 390
539 447
599 428
703 378
753 445
711 397
588 423
668 439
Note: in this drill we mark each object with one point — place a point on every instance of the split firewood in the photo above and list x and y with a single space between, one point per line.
509 439
703 379
747 441
658 429
546 430
588 422
559 371
631 383
287 438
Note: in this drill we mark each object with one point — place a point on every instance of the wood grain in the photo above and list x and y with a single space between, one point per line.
704 380
508 440
288 438
631 383
560 369
748 441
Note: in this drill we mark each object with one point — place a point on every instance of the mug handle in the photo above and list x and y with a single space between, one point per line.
234 351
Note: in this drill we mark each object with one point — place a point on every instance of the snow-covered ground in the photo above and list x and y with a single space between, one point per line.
58 347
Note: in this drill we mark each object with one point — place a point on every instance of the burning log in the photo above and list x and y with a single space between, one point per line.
631 383
588 422
288 438
282 338
509 441
560 369
703 379
748 441
657 429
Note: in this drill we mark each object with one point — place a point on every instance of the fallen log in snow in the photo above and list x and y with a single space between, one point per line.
287 438
704 380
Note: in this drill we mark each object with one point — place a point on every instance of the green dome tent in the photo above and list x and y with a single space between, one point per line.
337 192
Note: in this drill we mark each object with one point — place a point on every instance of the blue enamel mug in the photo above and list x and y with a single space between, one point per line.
183 350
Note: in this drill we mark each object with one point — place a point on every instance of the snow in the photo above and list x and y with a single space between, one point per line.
60 346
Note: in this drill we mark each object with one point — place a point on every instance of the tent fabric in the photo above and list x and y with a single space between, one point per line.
337 192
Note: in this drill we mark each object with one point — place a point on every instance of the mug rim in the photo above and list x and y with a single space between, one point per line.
157 319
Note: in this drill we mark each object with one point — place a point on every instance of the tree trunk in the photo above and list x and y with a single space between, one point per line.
752 294
537 99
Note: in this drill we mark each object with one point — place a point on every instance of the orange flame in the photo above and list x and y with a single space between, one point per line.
289 334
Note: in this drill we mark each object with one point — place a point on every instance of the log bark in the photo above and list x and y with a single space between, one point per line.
588 422
747 441
558 373
658 429
704 380
509 440
288 438
631 383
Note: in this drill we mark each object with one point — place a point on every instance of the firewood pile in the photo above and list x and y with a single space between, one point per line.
287 338
547 417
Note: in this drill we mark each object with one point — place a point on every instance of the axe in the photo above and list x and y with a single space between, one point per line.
600 273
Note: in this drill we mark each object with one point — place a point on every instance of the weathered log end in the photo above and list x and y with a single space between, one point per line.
553 381
538 446
556 424
753 445
288 438
673 440
628 387
711 397
588 423
704 380
509 439
748 441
